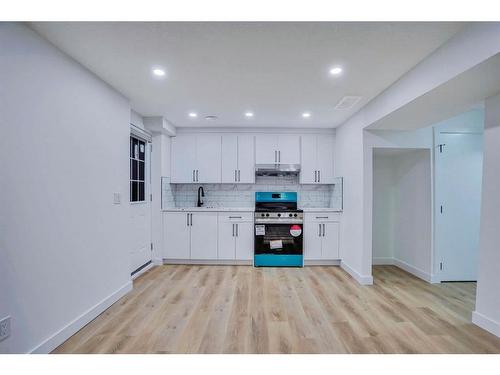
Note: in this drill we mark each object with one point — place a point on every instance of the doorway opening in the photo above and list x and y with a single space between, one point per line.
402 209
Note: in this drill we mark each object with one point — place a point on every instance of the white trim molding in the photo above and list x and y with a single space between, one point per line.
208 262
362 279
73 327
383 261
486 323
413 270
144 270
321 262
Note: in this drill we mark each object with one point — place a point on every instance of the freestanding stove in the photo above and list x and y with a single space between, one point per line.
278 230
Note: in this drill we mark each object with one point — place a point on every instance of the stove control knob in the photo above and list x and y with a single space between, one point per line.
279 215
261 214
291 215
267 214
295 215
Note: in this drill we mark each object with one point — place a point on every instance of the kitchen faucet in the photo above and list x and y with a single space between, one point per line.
200 201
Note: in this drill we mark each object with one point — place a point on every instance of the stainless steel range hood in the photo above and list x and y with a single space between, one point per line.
277 169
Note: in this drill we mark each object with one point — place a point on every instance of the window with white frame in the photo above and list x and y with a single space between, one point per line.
137 170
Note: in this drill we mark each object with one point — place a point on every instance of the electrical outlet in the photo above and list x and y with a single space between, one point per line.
116 198
4 328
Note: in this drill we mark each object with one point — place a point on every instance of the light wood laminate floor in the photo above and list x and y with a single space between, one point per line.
241 309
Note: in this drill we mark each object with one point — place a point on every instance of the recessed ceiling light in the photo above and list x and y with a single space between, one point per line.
335 71
306 115
158 72
193 114
248 114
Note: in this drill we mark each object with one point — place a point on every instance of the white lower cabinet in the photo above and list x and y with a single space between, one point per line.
235 236
208 236
321 239
190 235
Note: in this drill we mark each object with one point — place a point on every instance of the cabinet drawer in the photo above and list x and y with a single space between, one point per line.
311 217
236 217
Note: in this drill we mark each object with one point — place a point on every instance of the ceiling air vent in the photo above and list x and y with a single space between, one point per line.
347 102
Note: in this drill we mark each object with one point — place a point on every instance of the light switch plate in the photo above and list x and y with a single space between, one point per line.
116 198
4 328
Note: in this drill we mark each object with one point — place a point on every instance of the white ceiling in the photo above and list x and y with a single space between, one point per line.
464 92
276 70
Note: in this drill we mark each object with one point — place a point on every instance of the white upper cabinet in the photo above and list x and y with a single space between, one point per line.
317 159
289 149
277 149
208 158
238 159
266 149
229 158
183 157
196 158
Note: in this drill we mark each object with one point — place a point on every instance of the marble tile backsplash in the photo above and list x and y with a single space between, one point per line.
243 195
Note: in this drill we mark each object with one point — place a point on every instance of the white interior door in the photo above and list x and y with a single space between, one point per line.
458 174
140 203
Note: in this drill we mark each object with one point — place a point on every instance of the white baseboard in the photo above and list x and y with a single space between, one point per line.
362 279
321 262
413 270
383 261
486 323
144 270
208 262
69 330
157 261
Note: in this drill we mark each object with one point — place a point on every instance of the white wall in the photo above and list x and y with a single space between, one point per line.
487 313
473 45
64 152
384 200
402 210
160 168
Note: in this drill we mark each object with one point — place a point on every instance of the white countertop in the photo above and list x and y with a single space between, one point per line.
320 209
241 209
210 209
